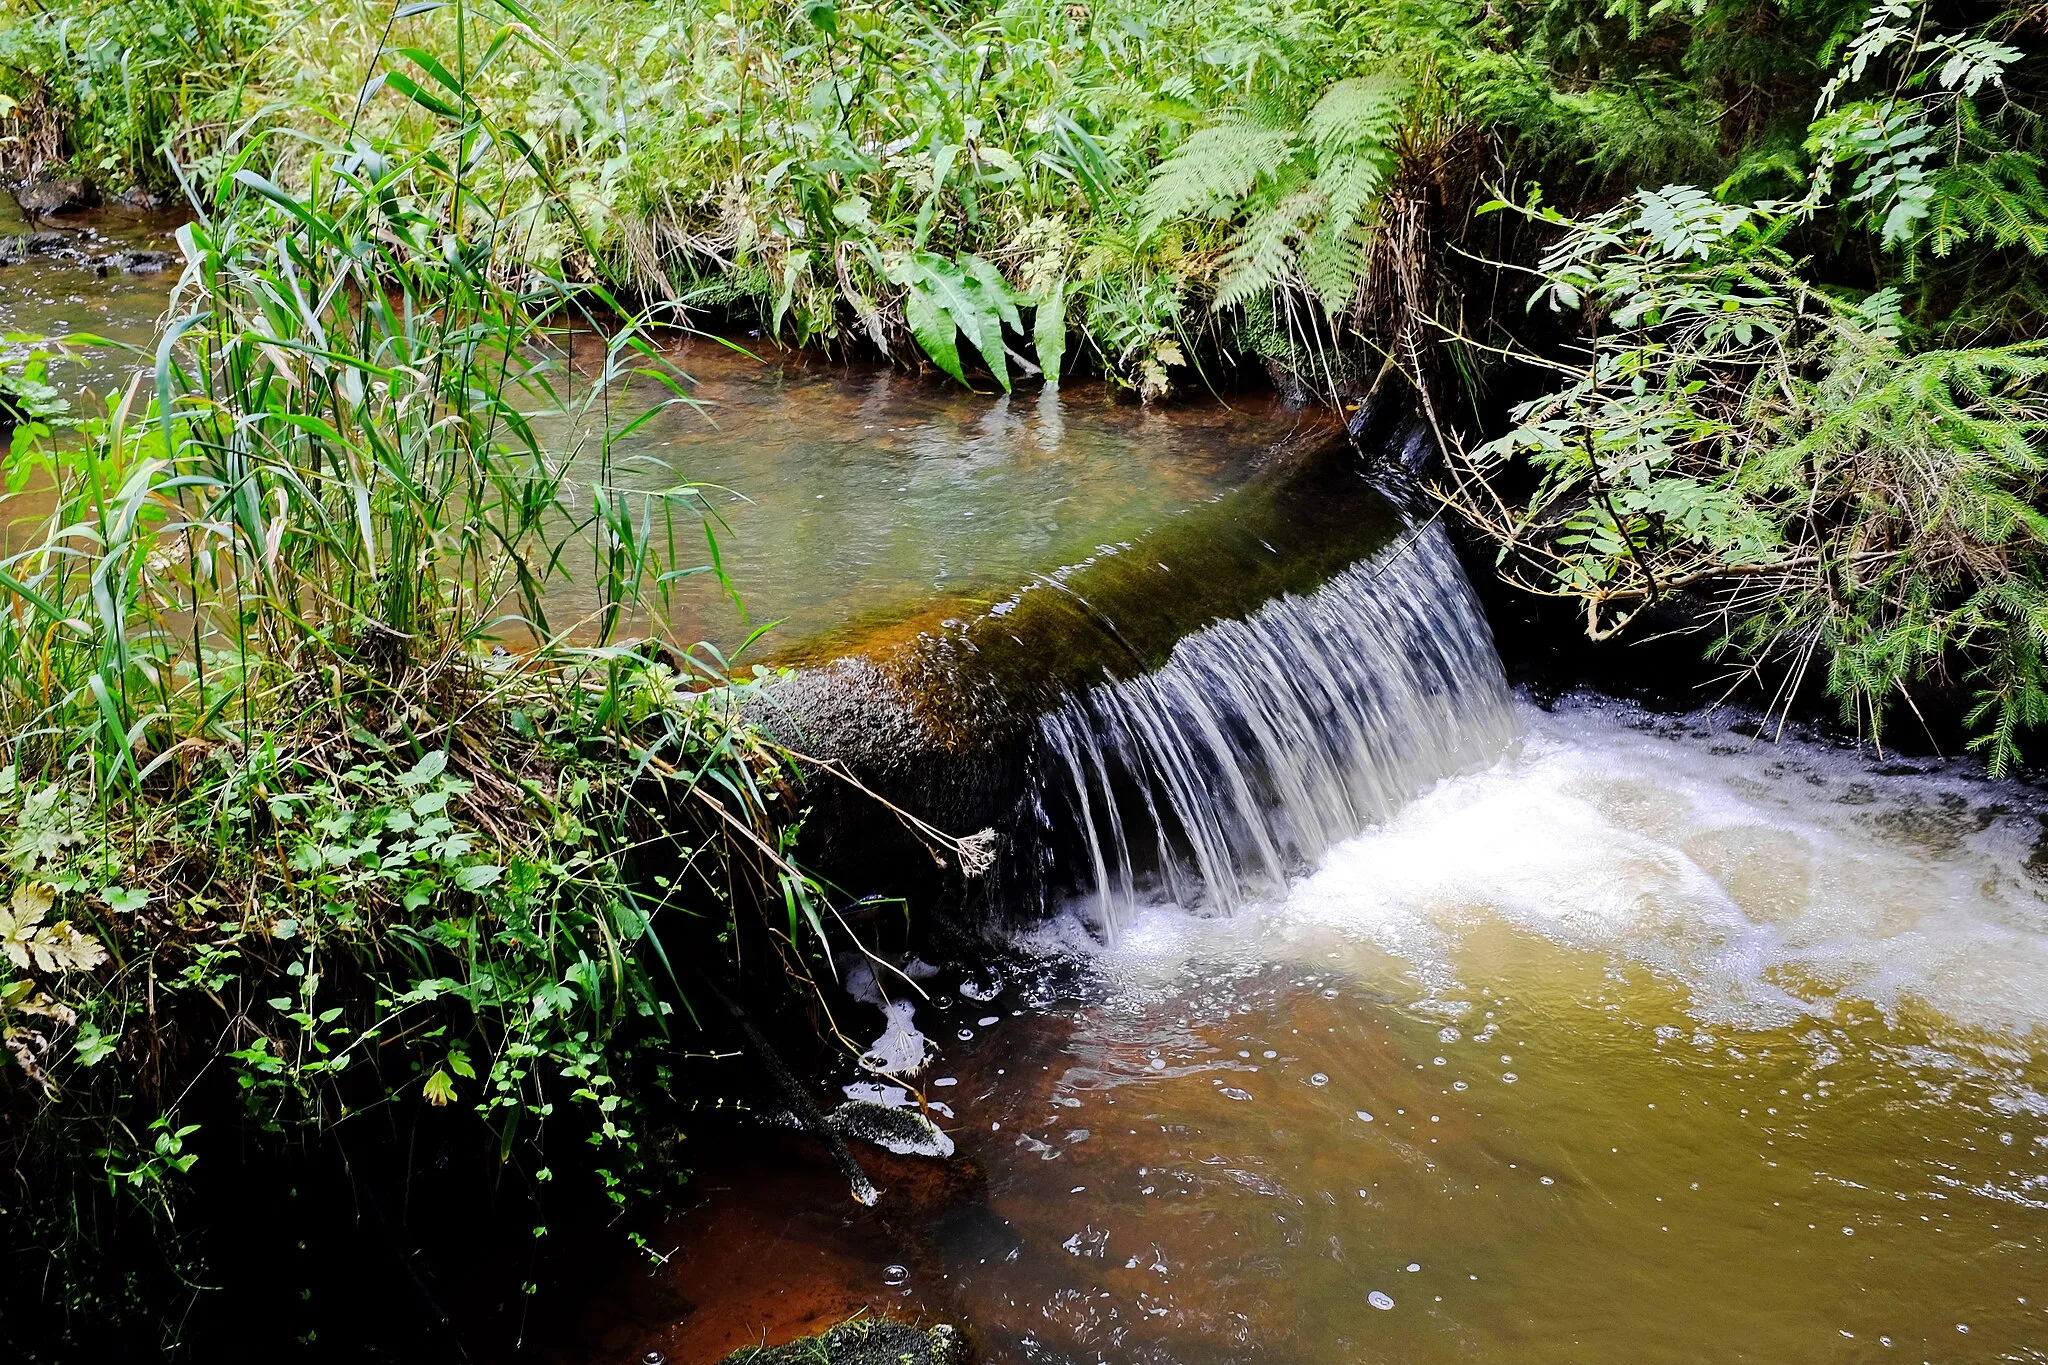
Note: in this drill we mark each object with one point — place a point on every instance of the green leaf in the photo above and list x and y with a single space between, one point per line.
933 328
426 770
477 876
1049 330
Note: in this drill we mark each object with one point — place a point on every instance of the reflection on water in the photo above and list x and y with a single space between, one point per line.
847 493
1648 1043
835 493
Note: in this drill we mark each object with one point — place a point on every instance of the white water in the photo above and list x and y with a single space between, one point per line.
1264 741
1771 879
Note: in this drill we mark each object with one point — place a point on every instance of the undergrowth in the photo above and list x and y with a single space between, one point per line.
320 810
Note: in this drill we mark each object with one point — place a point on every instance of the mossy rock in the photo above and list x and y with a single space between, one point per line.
864 1341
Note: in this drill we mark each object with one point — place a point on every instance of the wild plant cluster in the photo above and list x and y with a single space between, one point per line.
1805 408
320 813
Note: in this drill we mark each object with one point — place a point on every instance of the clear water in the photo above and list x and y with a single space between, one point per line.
850 496
51 296
838 496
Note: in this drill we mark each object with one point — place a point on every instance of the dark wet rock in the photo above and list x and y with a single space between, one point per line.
50 194
864 1341
903 1131
149 201
14 250
139 262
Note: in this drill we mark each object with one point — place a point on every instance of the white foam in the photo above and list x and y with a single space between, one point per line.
1765 877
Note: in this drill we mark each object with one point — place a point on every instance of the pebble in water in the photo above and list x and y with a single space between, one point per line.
1379 1300
893 1275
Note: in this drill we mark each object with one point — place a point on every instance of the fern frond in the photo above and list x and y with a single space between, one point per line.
1212 173
1266 251
1362 111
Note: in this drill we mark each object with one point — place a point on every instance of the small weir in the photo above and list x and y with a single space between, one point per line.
1263 741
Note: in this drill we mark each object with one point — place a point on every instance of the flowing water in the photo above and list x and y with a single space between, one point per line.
859 494
1263 741
1568 1034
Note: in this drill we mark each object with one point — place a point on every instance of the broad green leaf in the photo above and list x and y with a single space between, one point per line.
1049 330
933 328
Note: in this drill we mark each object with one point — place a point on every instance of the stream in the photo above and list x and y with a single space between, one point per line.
1391 1016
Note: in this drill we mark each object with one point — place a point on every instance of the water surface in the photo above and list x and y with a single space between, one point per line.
1649 1041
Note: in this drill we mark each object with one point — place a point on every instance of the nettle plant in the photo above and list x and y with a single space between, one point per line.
1841 498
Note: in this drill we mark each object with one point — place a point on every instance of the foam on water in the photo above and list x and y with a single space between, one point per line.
1263 741
1769 878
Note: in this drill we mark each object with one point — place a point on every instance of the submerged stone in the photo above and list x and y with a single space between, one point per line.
905 1132
865 1341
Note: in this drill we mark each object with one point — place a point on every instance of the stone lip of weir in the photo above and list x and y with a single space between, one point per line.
949 716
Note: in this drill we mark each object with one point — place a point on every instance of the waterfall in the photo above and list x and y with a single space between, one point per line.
1263 741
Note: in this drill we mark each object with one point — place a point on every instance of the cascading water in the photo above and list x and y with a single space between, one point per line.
1263 741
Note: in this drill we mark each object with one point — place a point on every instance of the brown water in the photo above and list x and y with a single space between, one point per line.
859 494
836 494
54 296
1648 1042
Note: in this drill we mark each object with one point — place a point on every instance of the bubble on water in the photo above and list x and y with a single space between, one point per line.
965 1034
1448 1035
1458 1085
1269 1053
1364 1117
1413 1267
654 1358
1329 995
893 1275
947 1080
1231 1092
1319 1079
1848 1232
1379 1300
989 1020
1158 1064
1505 1059
1548 1181
1440 1061
1508 1076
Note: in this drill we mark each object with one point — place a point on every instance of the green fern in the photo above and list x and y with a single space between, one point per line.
1299 197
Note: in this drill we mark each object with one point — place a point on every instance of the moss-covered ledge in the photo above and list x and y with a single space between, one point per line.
864 1341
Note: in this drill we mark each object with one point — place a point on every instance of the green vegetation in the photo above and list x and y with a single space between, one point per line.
293 845
288 827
